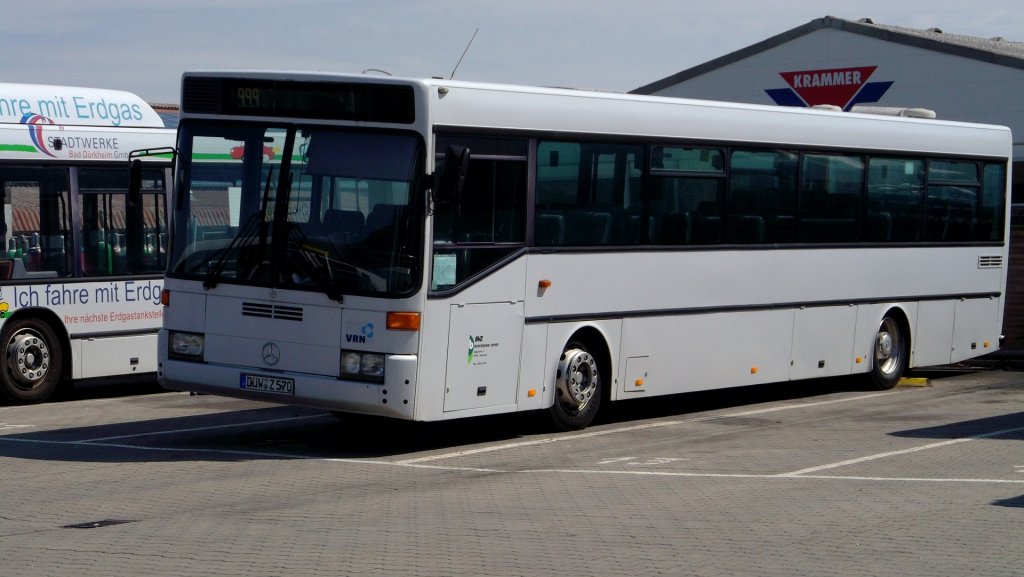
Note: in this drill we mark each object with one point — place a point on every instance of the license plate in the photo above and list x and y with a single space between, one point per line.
267 384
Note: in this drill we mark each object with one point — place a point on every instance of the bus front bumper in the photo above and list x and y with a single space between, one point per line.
393 398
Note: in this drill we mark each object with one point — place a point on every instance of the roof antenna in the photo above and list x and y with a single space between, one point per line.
463 54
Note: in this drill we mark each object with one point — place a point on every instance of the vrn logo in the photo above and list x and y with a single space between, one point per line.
842 87
472 347
364 336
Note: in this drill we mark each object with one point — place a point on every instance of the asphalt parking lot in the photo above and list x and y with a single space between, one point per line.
813 478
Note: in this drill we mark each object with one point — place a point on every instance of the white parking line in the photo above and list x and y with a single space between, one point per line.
613 431
154 449
545 441
772 476
426 461
85 402
377 463
900 452
194 429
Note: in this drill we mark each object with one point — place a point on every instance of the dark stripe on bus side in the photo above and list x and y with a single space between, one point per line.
109 334
752 308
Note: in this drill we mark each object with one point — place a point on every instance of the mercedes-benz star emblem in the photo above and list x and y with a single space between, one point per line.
271 353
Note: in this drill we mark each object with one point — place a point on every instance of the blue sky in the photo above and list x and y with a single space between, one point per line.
144 47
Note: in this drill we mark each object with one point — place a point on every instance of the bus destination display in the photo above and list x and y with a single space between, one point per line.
365 102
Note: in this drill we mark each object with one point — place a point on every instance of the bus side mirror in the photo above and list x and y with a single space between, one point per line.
453 174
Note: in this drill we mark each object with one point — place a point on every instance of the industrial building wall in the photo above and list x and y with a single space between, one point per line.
956 87
1013 314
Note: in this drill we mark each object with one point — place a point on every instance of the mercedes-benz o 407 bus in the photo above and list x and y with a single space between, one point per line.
433 249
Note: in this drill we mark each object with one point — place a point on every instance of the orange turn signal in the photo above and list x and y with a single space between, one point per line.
403 321
544 283
165 297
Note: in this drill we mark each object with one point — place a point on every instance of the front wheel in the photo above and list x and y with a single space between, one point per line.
32 361
890 354
577 389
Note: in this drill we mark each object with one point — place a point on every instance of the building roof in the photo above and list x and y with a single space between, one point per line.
168 113
992 50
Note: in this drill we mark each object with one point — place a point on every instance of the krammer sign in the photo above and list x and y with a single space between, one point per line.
842 87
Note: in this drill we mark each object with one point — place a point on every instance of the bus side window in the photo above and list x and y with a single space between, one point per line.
761 200
597 189
688 209
993 204
895 203
952 201
37 220
830 197
112 242
489 221
687 195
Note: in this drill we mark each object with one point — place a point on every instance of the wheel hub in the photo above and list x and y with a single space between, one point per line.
577 380
888 353
884 348
28 359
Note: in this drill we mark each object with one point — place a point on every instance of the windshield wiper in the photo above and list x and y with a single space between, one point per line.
245 231
221 258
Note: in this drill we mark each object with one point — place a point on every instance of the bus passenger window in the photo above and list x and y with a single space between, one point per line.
488 222
687 210
36 220
951 203
761 202
596 189
830 197
895 203
687 196
993 204
114 240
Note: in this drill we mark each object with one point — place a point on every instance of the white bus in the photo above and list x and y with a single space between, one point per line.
82 262
432 249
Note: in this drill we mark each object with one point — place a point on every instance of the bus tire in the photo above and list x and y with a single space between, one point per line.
32 361
890 354
577 389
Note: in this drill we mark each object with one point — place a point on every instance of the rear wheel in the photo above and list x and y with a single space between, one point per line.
32 361
577 389
890 354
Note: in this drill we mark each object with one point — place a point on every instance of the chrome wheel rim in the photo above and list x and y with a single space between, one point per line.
578 379
888 347
28 359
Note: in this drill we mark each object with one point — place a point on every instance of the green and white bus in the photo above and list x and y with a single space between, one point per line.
82 263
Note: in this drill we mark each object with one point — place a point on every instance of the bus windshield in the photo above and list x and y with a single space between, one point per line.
309 208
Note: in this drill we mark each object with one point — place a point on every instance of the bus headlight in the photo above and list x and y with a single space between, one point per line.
187 346
362 366
350 363
372 365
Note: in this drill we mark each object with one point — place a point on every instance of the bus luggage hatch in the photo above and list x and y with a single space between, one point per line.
483 355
